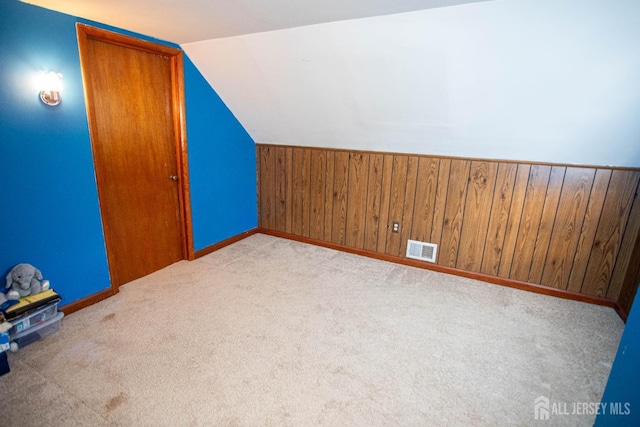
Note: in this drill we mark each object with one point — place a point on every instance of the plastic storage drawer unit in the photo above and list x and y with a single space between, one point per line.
31 320
37 332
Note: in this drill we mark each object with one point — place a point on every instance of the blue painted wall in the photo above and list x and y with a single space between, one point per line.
622 394
49 211
222 165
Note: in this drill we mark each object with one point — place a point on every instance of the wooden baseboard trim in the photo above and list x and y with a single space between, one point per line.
106 293
87 301
525 286
531 287
621 312
226 242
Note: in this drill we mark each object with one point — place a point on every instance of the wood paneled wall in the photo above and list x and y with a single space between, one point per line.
565 227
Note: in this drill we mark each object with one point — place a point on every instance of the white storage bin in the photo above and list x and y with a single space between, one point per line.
28 321
37 332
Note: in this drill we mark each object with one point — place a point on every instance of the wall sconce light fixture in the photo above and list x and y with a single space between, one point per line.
50 88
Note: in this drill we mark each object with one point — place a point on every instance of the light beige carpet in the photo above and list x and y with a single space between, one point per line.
273 332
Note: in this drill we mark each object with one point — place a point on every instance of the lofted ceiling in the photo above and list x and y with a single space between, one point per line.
187 21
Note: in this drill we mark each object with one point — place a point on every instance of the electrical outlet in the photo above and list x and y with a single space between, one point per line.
396 227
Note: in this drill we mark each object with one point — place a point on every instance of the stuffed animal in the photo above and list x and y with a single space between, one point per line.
23 280
5 326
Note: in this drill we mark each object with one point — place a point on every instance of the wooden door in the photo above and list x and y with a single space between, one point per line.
137 143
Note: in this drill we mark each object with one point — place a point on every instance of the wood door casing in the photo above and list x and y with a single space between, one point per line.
136 109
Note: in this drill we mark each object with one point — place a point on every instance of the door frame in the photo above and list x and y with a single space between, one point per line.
175 56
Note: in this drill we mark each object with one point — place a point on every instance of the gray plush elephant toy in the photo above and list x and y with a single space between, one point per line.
23 280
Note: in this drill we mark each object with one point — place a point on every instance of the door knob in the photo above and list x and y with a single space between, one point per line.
173 177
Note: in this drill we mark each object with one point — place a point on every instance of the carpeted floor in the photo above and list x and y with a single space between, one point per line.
274 332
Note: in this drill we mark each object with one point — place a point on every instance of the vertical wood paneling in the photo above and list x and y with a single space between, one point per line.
568 223
426 186
613 220
396 202
589 228
631 279
317 191
629 292
454 211
515 217
297 189
529 222
281 188
289 189
498 220
387 170
547 221
267 188
565 227
477 210
409 202
626 249
306 191
440 203
340 181
374 200
356 207
328 196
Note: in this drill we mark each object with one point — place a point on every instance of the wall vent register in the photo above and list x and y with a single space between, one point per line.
421 250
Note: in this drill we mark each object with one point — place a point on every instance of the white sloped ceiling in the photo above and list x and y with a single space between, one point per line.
185 21
537 80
